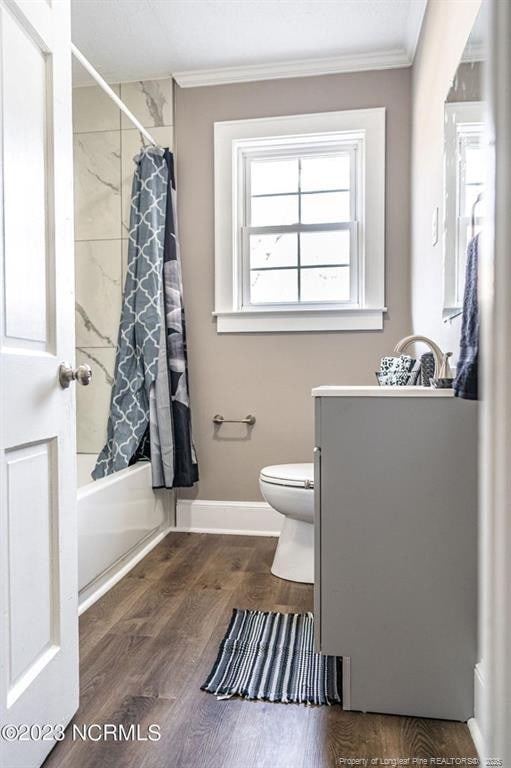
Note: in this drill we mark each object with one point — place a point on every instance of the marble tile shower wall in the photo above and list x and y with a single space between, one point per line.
104 146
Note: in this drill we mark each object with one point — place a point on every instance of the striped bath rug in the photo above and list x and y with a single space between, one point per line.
270 656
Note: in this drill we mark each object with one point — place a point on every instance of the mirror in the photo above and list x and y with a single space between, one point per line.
463 167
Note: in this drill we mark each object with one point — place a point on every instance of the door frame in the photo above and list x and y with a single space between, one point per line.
39 663
493 715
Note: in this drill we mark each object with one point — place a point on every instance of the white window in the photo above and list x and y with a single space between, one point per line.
470 188
299 234
464 179
299 217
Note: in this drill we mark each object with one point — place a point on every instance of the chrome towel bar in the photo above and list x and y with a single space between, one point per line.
218 419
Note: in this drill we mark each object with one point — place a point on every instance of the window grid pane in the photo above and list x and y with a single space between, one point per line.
321 173
274 202
274 286
274 176
313 283
325 207
330 247
274 210
278 271
275 250
325 284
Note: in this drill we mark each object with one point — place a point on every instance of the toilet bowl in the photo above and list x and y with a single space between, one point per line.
289 489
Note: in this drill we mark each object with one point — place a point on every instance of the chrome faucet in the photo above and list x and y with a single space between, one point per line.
442 369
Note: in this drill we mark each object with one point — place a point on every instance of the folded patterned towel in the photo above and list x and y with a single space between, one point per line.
395 371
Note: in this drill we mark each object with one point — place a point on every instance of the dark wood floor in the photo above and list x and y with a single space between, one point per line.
149 643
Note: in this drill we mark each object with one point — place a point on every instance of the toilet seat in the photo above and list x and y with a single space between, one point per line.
289 475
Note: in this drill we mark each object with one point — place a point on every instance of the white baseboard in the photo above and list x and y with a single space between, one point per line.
248 518
105 581
475 723
477 738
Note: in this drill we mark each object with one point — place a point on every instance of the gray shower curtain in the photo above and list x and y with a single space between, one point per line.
149 408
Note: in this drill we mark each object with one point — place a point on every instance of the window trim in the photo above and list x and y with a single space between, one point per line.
462 118
233 140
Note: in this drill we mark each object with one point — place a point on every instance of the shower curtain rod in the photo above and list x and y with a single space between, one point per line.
104 85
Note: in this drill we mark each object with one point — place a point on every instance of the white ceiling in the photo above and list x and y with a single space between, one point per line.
137 39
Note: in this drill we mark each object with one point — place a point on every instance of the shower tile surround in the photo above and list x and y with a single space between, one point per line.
104 146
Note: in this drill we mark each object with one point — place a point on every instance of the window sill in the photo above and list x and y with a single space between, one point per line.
451 312
300 321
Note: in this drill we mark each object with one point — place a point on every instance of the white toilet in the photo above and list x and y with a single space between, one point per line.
289 489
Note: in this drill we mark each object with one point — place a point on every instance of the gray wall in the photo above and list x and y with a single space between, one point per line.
271 375
444 34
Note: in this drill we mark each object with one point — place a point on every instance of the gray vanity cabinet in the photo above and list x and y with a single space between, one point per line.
396 550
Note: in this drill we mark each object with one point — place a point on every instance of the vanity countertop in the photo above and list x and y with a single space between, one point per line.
377 391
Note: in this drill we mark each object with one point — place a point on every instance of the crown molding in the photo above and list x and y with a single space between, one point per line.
85 80
301 68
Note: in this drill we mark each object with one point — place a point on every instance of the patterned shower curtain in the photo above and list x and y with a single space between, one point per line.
149 408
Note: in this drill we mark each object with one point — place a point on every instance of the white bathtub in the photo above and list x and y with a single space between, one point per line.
120 519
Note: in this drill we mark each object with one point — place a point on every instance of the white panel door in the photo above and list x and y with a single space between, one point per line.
38 552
